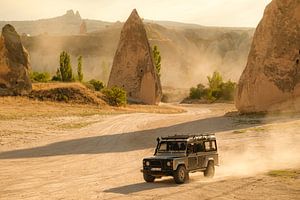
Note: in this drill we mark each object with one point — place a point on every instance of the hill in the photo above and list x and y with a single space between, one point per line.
189 52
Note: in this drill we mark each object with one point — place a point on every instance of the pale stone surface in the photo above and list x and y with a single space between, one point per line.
271 79
14 64
133 66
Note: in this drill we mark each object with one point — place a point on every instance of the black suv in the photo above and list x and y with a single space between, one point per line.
180 155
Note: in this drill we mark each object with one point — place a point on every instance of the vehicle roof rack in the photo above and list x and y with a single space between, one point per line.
191 137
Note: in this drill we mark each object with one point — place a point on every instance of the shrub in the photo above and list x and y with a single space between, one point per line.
57 76
97 85
197 92
115 96
217 89
40 77
228 90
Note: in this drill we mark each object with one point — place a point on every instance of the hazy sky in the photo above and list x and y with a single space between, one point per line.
205 12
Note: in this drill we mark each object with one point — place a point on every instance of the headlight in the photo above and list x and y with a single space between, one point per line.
169 164
147 163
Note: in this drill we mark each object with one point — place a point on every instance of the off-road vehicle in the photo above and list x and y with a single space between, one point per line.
180 155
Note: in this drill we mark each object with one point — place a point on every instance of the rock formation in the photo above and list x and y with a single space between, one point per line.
133 66
83 28
14 64
271 79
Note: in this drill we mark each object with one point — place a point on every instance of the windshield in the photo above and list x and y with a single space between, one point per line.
170 146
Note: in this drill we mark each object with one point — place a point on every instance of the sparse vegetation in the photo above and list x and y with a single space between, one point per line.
157 59
57 76
216 90
284 173
115 96
40 77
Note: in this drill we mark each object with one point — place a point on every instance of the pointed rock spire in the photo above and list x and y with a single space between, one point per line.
133 66
271 79
14 64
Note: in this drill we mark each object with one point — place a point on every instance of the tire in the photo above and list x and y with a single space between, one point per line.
210 170
180 175
148 178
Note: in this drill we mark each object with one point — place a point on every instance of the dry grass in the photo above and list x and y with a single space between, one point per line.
285 173
23 107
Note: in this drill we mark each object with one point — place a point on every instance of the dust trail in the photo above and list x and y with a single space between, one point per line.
261 151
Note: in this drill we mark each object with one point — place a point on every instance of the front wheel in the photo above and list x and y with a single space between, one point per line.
180 175
148 178
210 170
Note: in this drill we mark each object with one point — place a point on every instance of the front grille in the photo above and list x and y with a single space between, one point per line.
155 163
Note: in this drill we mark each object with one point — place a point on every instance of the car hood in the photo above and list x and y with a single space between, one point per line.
161 157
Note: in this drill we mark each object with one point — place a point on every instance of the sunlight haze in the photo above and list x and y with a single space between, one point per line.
234 13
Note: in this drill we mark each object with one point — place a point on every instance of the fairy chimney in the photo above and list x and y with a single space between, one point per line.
14 64
133 66
271 79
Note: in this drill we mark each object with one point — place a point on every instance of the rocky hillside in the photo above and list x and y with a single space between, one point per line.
189 52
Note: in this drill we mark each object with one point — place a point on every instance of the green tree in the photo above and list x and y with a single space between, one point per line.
79 69
215 81
65 67
157 59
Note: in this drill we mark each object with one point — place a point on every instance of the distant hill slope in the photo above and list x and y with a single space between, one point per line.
190 52
67 24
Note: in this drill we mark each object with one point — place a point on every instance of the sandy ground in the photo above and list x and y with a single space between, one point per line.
99 156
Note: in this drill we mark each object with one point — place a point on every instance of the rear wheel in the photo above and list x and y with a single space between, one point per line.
148 178
210 170
180 175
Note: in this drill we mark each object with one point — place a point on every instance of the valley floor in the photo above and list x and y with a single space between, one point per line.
49 154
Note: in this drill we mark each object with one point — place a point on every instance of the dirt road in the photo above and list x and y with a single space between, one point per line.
102 159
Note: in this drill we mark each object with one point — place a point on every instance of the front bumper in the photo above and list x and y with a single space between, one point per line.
162 172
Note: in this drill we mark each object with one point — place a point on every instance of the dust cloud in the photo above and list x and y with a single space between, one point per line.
261 152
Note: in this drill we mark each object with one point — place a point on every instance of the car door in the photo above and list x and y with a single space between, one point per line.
192 157
201 154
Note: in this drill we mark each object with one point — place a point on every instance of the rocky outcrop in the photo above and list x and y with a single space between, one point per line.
133 66
271 79
14 64
83 28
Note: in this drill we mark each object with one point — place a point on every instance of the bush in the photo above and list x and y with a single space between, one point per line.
228 90
98 85
40 77
217 89
197 92
115 96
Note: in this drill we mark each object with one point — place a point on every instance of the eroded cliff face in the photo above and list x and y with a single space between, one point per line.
14 64
133 66
271 79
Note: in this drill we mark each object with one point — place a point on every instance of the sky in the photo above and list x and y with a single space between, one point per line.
232 13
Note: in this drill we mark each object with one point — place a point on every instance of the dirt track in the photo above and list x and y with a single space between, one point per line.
102 160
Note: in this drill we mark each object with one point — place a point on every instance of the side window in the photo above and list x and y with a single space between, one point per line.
191 148
200 147
210 146
207 146
213 145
